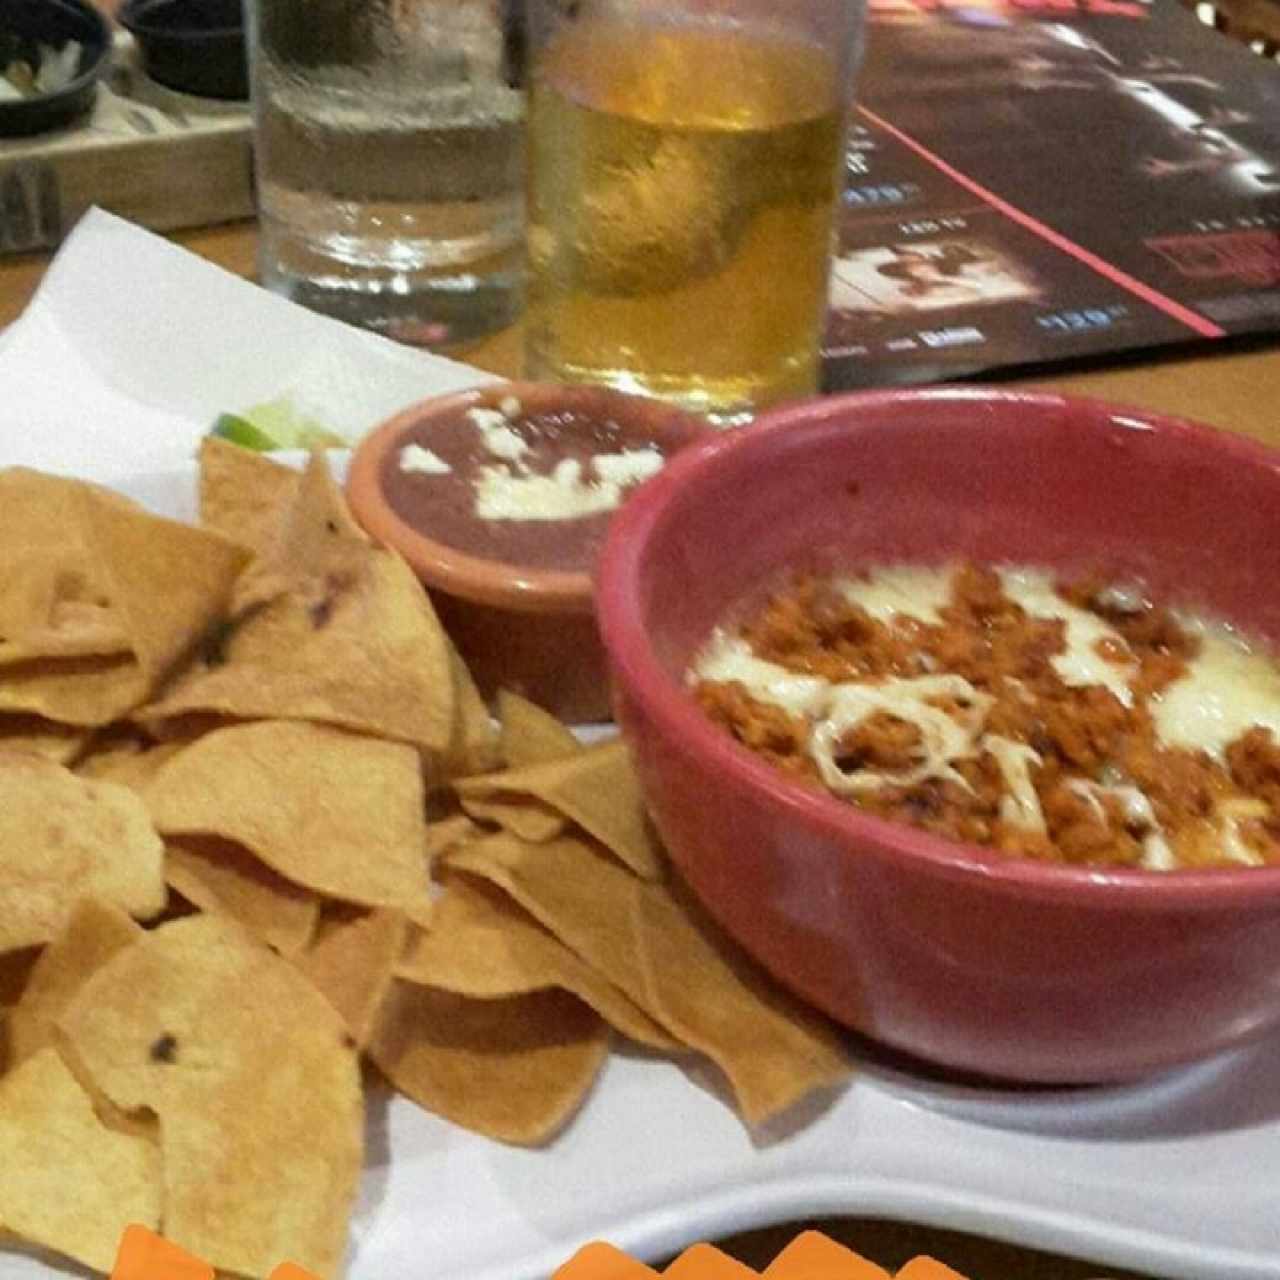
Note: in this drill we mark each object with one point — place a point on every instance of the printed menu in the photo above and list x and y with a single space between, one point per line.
1037 181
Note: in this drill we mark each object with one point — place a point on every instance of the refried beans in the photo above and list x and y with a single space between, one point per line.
1072 722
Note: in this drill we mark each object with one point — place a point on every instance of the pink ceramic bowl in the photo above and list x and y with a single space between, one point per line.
955 954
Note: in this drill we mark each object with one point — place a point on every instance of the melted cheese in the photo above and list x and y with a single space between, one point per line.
1136 810
1020 807
943 738
1081 664
1228 688
1156 854
729 659
901 589
1231 813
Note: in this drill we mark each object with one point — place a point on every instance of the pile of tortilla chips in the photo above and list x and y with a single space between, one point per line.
258 829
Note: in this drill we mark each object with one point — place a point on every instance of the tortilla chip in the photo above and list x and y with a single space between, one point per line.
514 1069
88 692
574 890
38 509
95 932
597 789
813 1254
327 628
224 879
168 580
926 1268
67 1181
69 629
318 538
474 744
60 743
672 962
132 760
255 1083
773 1050
47 567
481 945
448 833
337 813
63 838
244 495
352 963
15 973
528 819
530 735
704 1261
601 1261
165 583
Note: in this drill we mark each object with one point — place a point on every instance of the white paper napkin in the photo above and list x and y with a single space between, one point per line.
133 346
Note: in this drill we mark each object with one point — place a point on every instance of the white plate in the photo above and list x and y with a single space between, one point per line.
1177 1176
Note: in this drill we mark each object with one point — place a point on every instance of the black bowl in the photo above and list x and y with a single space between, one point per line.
196 46
24 23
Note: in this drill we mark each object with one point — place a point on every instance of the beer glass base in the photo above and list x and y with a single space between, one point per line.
717 403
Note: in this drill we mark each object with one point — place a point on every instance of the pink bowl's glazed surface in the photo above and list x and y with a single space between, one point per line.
955 954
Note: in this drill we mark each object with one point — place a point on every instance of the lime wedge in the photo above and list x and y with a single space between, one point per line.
241 431
275 424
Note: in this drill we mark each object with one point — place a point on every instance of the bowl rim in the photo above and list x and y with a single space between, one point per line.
100 46
497 583
666 702
133 17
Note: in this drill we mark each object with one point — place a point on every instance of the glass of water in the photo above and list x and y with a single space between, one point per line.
389 159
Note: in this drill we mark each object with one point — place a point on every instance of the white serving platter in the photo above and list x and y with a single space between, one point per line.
1176 1176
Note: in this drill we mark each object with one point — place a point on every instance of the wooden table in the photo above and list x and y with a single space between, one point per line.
1238 390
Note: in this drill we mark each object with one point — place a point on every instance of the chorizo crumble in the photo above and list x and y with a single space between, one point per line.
999 709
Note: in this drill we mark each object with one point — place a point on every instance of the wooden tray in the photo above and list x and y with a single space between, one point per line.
159 158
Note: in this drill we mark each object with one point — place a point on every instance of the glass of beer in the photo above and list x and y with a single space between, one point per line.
684 166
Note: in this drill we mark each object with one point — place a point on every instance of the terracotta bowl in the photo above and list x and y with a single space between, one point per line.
529 630
950 952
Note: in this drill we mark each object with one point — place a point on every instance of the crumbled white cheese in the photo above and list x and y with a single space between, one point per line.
488 419
414 458
1228 688
944 738
728 659
497 434
631 466
1081 664
503 495
512 491
567 472
901 589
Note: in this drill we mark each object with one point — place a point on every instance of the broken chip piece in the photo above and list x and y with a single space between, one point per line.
63 838
255 1082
